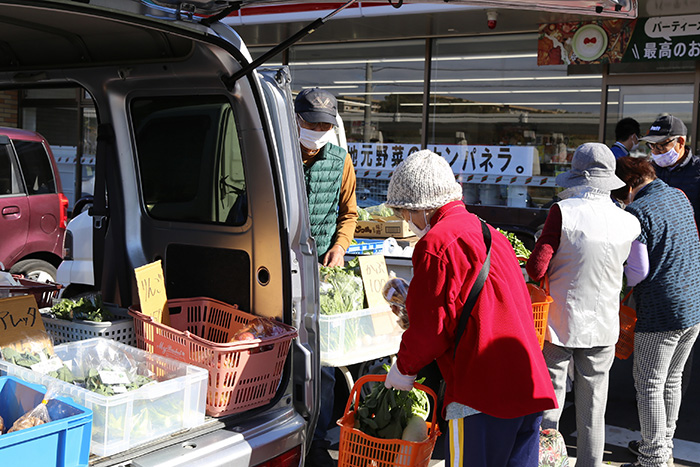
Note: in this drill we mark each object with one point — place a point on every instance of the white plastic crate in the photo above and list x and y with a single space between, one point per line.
123 421
358 336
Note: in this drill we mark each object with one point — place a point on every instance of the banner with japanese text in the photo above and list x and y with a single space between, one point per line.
377 160
659 38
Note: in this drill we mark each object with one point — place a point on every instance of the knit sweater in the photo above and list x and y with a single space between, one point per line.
669 297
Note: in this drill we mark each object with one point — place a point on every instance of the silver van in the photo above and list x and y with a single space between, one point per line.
195 167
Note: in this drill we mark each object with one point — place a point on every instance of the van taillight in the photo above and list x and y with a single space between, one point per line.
291 458
63 220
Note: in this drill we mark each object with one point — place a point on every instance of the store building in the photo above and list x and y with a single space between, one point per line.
505 98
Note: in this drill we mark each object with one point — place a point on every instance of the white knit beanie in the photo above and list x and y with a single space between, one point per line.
423 180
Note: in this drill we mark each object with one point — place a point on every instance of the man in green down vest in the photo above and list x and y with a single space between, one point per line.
330 176
330 186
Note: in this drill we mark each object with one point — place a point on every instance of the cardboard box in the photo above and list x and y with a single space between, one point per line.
383 227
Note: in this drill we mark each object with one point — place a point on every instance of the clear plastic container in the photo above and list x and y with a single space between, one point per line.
123 421
358 336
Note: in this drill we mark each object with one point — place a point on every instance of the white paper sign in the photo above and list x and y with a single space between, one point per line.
46 366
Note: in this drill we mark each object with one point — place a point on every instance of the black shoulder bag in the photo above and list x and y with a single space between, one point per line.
476 288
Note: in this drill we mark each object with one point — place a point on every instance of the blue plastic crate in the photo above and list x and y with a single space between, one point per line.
365 246
64 442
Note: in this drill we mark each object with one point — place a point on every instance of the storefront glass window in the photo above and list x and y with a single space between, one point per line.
646 103
372 82
519 122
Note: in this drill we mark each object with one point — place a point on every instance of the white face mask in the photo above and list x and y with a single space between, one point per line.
666 159
635 146
414 228
314 140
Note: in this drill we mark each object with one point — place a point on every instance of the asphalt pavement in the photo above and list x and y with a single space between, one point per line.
621 420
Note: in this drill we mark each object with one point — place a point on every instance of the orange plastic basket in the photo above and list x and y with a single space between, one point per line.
358 449
242 375
540 309
628 320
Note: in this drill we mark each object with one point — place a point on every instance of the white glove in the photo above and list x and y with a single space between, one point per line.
396 380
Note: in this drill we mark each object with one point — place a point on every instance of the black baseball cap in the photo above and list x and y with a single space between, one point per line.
664 127
316 105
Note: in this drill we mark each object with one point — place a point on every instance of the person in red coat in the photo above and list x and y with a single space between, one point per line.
497 383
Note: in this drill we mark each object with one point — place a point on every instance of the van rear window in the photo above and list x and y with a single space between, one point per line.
190 160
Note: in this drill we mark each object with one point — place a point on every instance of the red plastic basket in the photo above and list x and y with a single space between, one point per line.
540 309
628 321
242 375
43 292
358 449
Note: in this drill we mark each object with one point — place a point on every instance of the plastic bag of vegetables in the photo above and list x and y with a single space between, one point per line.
341 290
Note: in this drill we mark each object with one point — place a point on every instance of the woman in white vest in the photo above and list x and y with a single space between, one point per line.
584 244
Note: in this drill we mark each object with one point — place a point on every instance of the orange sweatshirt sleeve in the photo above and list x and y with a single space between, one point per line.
347 206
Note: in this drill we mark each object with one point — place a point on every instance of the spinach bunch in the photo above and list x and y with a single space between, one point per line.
85 308
27 359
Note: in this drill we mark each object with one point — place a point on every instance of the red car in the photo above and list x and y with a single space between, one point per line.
34 209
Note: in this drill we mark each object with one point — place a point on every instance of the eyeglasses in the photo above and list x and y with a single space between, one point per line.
319 126
661 147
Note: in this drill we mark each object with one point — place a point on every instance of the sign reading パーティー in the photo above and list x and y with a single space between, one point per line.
660 38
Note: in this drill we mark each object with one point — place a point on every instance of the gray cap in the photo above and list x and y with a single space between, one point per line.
664 127
316 106
593 165
423 180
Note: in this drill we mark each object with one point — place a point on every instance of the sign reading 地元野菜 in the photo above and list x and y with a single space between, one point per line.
377 160
659 38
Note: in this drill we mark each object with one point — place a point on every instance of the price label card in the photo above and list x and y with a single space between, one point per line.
21 323
113 377
151 286
374 276
46 366
119 389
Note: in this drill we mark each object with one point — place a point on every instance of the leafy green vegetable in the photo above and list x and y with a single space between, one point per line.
363 214
341 290
517 244
385 413
381 210
85 308
27 359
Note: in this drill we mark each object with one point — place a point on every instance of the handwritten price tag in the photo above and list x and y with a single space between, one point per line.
20 323
374 276
151 285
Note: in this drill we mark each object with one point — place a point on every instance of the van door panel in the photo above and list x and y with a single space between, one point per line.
217 273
